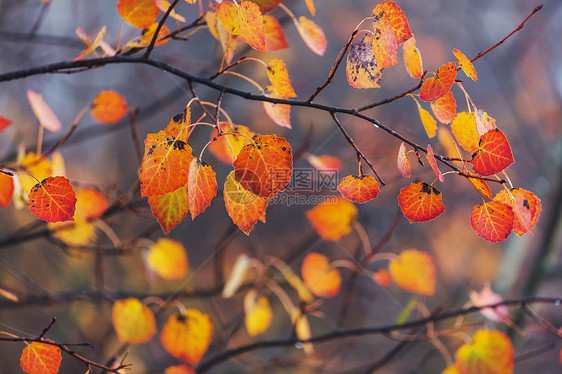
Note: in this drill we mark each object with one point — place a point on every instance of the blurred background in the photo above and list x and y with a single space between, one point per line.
520 85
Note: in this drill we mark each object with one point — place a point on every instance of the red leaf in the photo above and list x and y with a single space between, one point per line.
437 86
433 163
420 202
492 221
493 154
274 34
4 123
53 200
359 189
40 358
264 167
403 162
6 189
201 187
390 13
526 206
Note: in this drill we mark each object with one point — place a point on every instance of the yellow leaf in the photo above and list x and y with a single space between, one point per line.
258 313
237 276
414 271
489 352
133 322
168 259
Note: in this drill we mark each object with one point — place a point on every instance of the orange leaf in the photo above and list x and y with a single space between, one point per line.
414 271
310 6
324 162
6 189
201 187
133 322
445 108
433 163
363 70
258 313
312 35
267 5
244 207
163 5
274 34
429 123
492 221
384 45
359 189
464 130
90 203
437 86
412 58
4 123
177 127
53 200
493 154
481 186
168 259
40 358
332 221
390 13
179 369
148 34
264 167
279 77
227 147
420 202
251 25
489 352
279 113
165 164
526 206
43 112
92 47
382 277
109 107
403 163
226 11
320 277
170 208
187 336
138 13
466 65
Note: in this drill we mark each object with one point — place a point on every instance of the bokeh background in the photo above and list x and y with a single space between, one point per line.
520 85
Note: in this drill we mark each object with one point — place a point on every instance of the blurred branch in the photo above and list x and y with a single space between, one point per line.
213 361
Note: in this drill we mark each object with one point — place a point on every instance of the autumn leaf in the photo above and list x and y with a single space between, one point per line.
492 220
279 77
138 13
390 13
274 34
168 259
6 189
91 46
53 200
109 107
433 163
170 208
319 276
312 35
414 271
4 123
420 202
412 58
227 14
163 5
324 162
187 336
279 113
178 125
90 203
402 162
362 69
484 122
165 163
43 112
258 314
445 108
332 221
74 234
179 369
201 187
237 275
382 277
267 5
359 189
488 352
428 122
384 45
526 207
133 322
447 141
437 86
464 130
251 25
466 65
493 154
227 147
244 207
480 185
40 358
264 166
148 35
310 6
488 297
36 165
